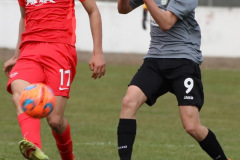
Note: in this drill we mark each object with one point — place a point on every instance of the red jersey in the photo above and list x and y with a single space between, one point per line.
49 21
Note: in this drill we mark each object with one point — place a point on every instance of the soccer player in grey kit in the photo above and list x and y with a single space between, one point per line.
171 65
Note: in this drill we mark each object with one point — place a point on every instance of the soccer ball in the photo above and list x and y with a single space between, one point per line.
37 100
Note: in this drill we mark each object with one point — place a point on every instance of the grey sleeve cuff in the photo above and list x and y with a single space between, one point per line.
181 8
176 12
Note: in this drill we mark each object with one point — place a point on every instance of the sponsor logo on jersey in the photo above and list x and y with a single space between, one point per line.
38 2
164 2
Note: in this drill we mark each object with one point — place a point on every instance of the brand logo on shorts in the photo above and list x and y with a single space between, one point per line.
13 74
188 97
61 89
38 2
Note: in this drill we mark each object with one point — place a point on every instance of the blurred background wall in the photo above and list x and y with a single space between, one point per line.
219 21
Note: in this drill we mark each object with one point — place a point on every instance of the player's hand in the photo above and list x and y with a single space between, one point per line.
97 65
8 65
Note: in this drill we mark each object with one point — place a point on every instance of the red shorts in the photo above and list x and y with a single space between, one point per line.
51 63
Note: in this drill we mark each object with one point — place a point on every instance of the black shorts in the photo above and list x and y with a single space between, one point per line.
182 77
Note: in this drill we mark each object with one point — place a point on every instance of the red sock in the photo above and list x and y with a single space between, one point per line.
64 144
30 128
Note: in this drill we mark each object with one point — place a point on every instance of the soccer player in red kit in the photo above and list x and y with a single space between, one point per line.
46 53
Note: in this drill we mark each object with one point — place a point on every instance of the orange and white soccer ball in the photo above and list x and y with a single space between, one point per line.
37 100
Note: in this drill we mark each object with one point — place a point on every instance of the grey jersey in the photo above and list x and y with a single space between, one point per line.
183 40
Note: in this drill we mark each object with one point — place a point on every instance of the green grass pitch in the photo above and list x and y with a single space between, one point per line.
93 112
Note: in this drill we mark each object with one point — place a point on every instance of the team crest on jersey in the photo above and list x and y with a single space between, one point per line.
39 2
164 2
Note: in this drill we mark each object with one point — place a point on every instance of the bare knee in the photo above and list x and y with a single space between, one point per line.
129 108
56 119
198 132
132 101
56 123
129 103
191 130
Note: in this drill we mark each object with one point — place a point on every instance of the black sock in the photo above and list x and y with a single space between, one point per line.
126 135
212 147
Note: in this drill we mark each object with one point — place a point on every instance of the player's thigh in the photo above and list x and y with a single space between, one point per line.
189 116
134 97
18 85
150 80
59 108
132 101
17 88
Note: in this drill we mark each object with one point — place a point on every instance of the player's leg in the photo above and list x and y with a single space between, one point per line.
133 99
146 86
17 87
61 129
30 147
188 89
131 102
30 127
60 72
26 71
205 137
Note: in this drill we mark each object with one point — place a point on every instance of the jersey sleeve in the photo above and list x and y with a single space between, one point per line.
81 0
181 8
21 3
136 3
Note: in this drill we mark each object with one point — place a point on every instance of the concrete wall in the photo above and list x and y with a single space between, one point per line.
124 33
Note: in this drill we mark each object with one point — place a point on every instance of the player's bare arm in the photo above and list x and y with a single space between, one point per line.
11 62
97 62
165 20
124 6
